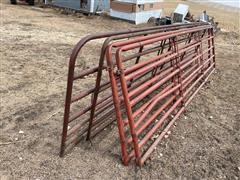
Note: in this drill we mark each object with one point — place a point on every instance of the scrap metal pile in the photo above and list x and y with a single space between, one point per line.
151 75
182 15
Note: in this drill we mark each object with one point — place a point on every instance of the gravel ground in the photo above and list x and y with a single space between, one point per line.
35 46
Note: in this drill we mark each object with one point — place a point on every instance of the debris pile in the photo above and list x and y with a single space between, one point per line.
182 15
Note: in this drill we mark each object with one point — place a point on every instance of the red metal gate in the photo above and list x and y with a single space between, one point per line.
166 84
154 73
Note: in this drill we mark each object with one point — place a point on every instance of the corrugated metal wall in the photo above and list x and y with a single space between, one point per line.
84 5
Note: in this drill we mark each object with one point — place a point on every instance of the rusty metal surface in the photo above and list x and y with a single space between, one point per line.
186 65
153 68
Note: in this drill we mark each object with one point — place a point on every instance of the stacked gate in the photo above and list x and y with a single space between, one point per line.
144 80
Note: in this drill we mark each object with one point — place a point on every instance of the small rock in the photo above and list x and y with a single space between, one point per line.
183 137
69 127
155 136
20 132
169 132
166 136
118 165
20 158
239 168
210 117
185 117
16 139
161 155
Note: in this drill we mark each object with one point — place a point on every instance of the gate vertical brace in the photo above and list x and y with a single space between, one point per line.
173 64
136 62
178 60
201 52
67 104
160 51
213 50
209 45
117 102
128 106
96 92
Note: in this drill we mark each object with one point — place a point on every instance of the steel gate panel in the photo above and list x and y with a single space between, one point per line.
174 58
179 96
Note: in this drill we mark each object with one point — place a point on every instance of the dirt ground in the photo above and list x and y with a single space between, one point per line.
35 46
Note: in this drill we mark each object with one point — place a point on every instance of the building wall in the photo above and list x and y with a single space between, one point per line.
86 5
